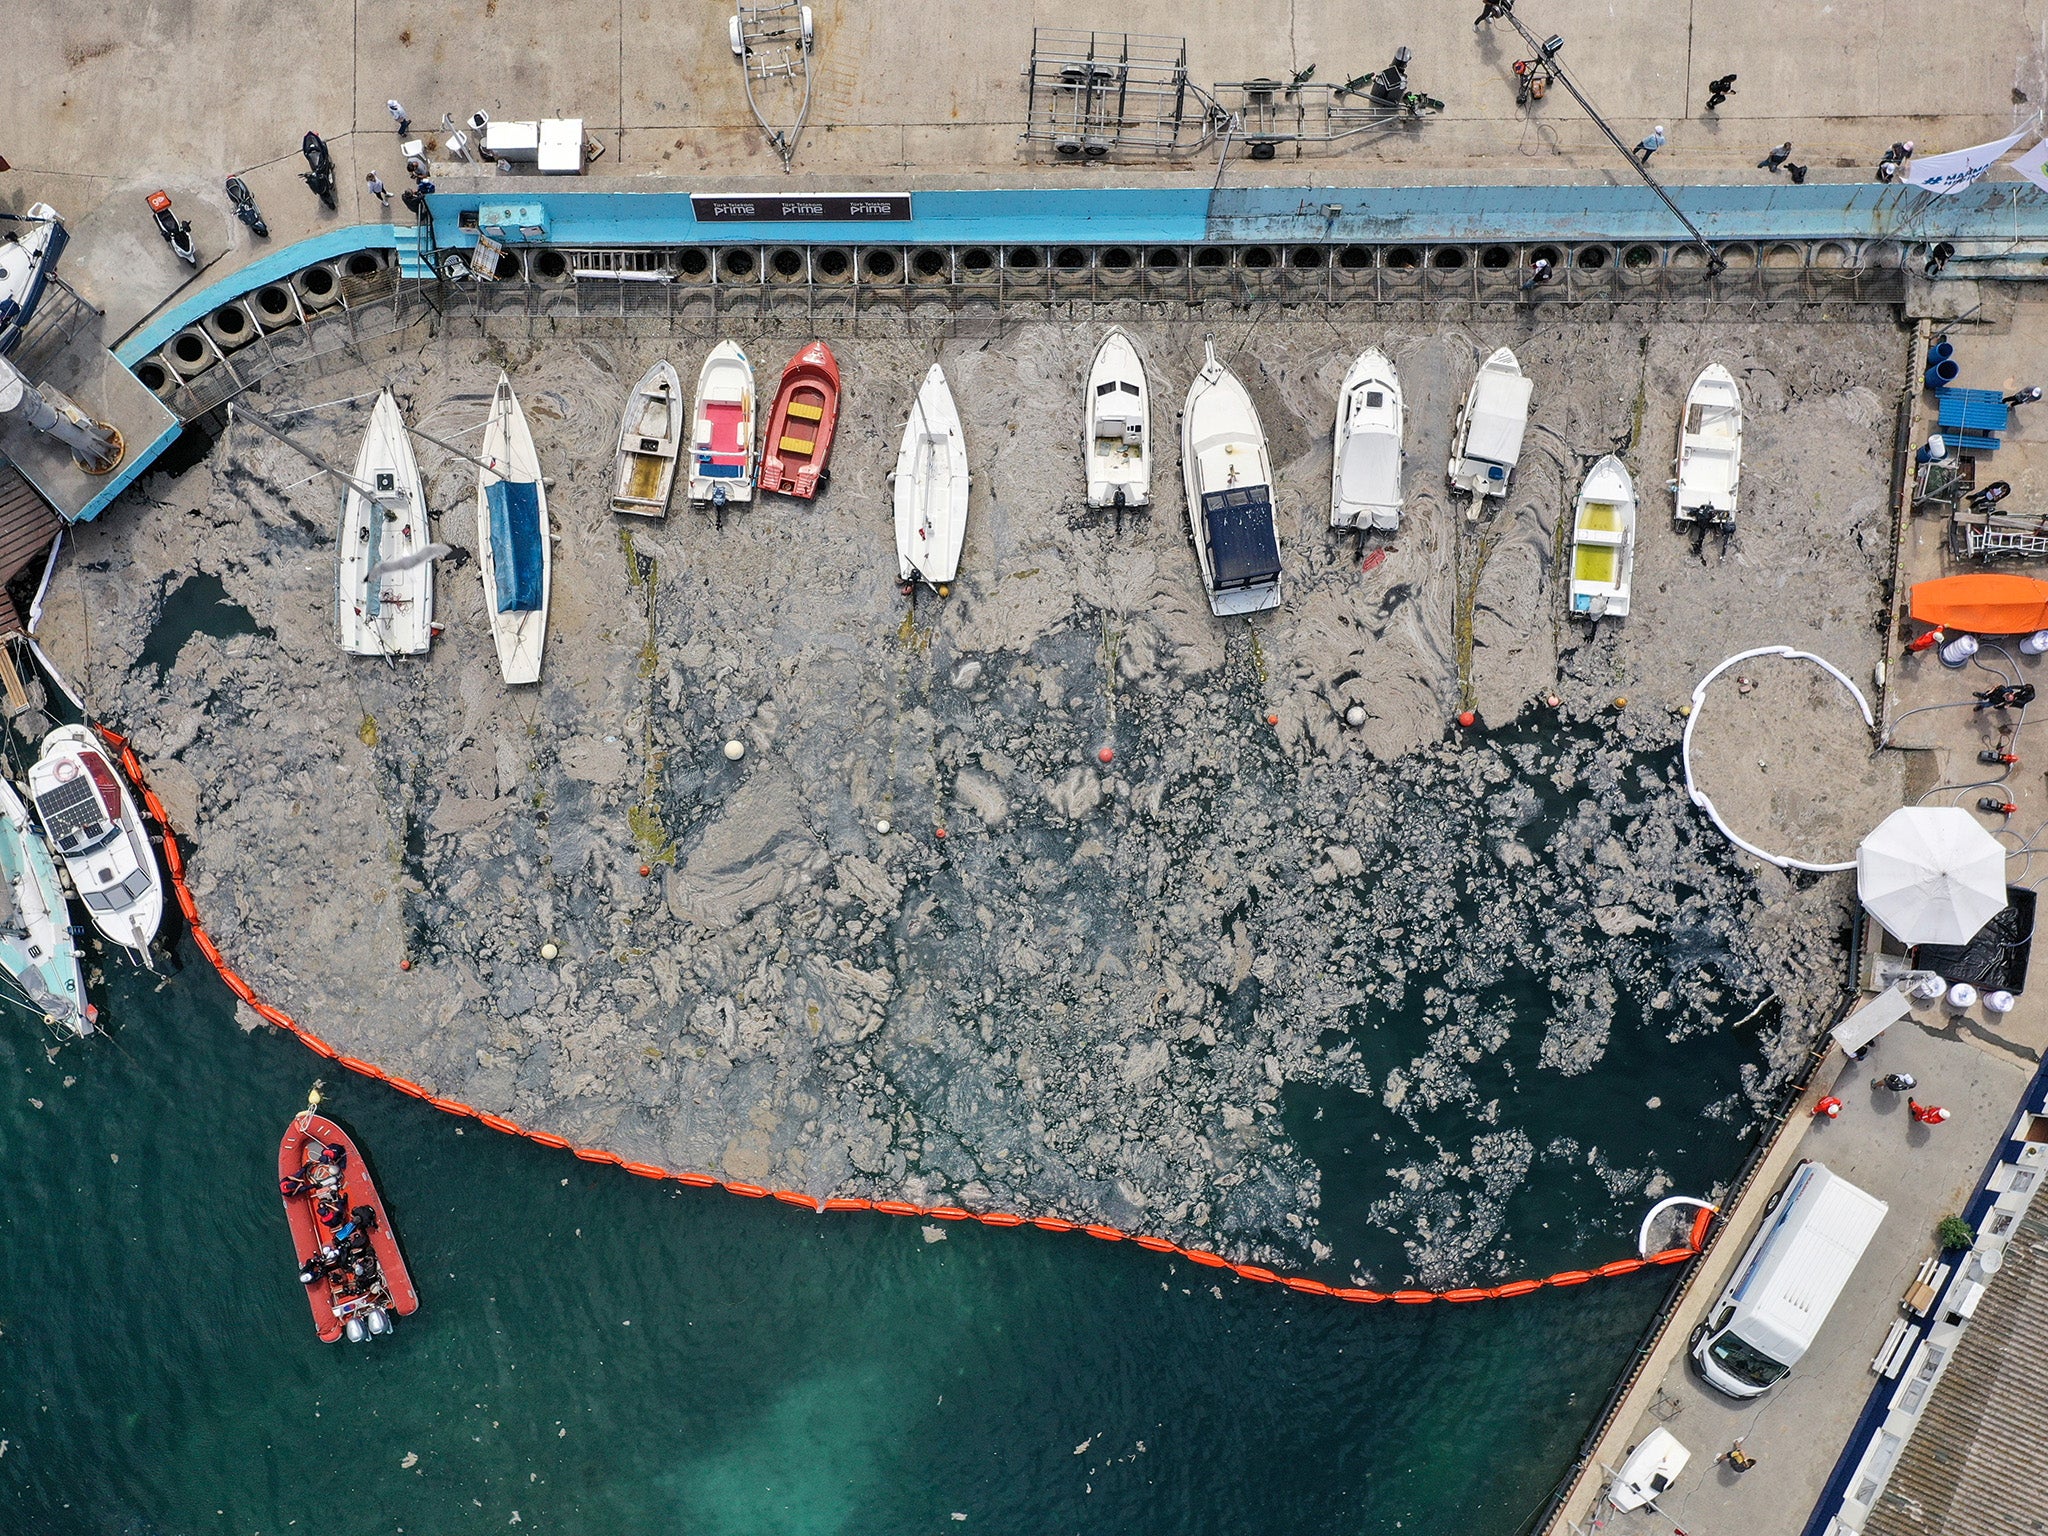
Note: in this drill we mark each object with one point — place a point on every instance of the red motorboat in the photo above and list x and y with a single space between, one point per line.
800 426
355 1277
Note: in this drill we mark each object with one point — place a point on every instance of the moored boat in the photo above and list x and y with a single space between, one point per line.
28 255
650 435
1709 471
1648 1472
95 828
35 928
1365 478
722 428
1603 542
1229 481
349 1262
1117 431
512 539
931 486
384 580
799 439
1486 444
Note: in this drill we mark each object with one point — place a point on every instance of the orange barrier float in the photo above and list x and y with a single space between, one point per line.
1302 1284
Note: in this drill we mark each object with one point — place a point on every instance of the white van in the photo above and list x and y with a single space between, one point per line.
1815 1229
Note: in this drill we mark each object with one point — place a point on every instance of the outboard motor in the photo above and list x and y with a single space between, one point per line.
380 1321
355 1330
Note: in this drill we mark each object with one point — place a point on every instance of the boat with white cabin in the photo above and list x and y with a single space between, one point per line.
722 429
35 927
1603 542
1648 1471
650 436
91 820
931 486
1229 482
1118 430
1365 480
28 255
1709 470
1486 444
384 577
513 539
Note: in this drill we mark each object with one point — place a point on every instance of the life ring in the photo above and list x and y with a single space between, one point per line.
67 769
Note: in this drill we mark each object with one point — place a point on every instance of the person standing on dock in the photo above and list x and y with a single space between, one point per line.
377 190
1719 91
1797 173
1493 10
399 117
1927 1114
1776 158
1651 142
2025 396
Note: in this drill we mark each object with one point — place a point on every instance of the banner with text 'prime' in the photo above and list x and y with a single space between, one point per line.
798 208
1958 168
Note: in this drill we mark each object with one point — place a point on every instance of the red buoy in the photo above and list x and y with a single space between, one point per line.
646 870
1107 755
1272 719
405 965
1466 718
938 832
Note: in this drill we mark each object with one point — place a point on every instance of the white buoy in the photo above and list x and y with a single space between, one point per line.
1929 987
1355 715
735 750
882 827
2000 1001
549 950
1962 995
2034 644
1957 653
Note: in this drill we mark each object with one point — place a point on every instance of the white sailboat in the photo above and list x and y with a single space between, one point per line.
931 484
1709 450
650 434
1118 446
385 586
1229 481
1603 542
512 539
1487 442
35 926
92 823
28 255
1365 480
722 434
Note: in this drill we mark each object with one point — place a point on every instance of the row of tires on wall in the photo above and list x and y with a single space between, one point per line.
290 301
1109 266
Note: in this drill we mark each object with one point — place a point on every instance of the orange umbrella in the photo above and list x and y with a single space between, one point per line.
1983 605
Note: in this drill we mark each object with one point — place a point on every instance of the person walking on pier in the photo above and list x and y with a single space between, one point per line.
1896 1082
399 117
1927 1114
1493 10
377 190
1776 158
2025 396
1719 91
1650 144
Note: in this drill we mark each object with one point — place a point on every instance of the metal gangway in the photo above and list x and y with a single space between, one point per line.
772 39
1997 536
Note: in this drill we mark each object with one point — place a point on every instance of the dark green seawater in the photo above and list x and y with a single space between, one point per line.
600 1354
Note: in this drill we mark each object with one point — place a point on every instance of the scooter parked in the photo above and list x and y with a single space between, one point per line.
246 209
177 232
321 175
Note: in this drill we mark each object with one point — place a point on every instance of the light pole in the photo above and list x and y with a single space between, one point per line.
1547 49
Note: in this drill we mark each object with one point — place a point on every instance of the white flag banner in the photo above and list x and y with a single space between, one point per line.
2033 164
1955 170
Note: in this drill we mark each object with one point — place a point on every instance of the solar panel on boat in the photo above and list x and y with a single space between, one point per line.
73 814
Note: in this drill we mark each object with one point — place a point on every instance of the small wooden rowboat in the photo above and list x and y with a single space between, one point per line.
650 434
343 1303
800 425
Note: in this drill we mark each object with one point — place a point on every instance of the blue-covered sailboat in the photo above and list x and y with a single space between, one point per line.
512 539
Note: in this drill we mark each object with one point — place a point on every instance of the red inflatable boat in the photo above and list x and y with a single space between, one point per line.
355 1277
800 426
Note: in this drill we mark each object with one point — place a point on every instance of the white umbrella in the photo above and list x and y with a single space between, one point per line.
1931 874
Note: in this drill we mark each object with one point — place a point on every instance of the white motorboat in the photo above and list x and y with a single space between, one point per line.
1229 483
1603 542
650 435
92 823
931 486
28 255
35 927
1648 1472
1709 450
384 577
513 539
1487 442
1365 481
722 435
1119 426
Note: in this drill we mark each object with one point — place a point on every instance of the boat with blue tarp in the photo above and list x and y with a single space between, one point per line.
512 538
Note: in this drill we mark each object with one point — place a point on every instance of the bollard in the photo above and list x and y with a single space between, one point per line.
1957 653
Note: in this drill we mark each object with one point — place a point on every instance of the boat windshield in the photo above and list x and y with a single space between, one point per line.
1745 1362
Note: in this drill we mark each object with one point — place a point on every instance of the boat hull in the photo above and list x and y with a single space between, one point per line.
394 614
1707 475
798 445
1228 478
36 945
1117 426
722 428
1365 477
650 436
1486 443
519 634
25 268
1983 604
116 876
932 484
302 1138
1603 543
